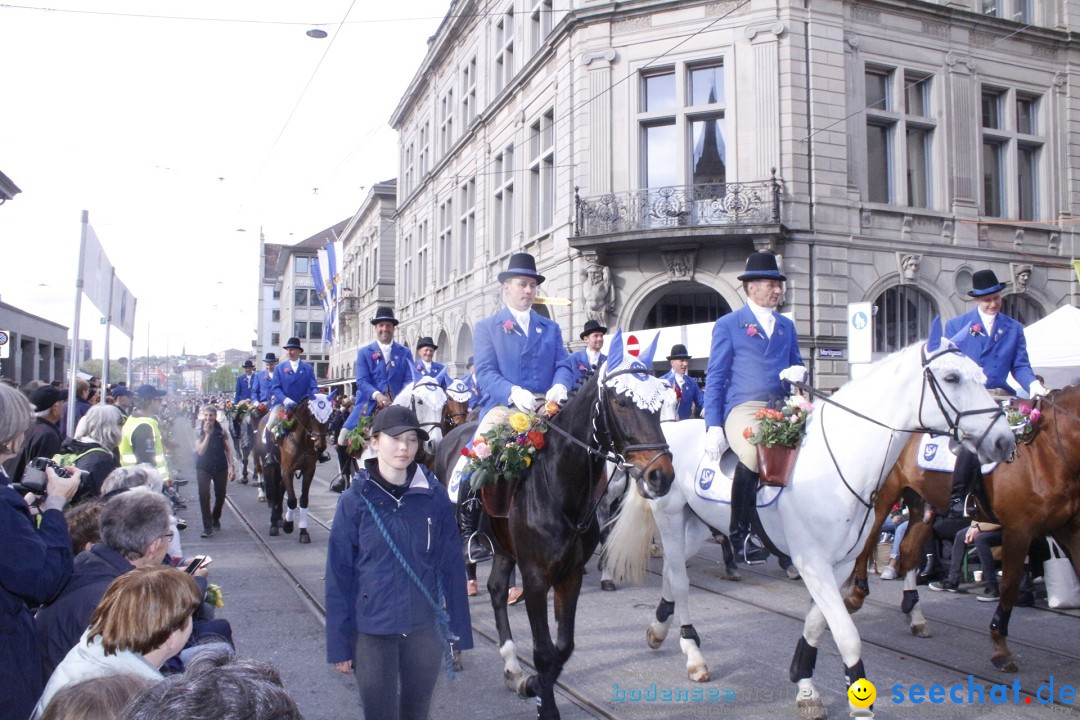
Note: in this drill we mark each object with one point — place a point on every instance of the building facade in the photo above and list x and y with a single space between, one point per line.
268 330
36 347
885 149
368 262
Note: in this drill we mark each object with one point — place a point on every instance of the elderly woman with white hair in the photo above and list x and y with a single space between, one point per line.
35 564
93 448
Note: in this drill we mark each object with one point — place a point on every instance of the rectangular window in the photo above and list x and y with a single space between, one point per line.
878 165
503 210
542 173
708 163
407 165
301 264
275 316
661 145
315 330
1023 12
539 23
277 294
446 122
990 7
300 297
659 92
468 93
1027 158
504 49
423 240
993 189
878 88
1025 115
707 85
299 330
467 235
425 150
275 339
406 269
991 110
918 166
445 251
916 88
314 301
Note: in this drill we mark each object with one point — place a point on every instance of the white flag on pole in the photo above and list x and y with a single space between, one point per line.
96 272
123 308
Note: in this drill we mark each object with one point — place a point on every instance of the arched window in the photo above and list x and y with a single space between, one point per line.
902 315
686 304
1022 308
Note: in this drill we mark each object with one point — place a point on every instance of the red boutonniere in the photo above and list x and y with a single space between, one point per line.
581 367
508 327
376 355
976 329
287 370
751 330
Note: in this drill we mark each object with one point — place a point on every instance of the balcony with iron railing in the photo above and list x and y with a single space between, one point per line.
638 217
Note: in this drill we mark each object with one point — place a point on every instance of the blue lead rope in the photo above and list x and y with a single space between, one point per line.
442 617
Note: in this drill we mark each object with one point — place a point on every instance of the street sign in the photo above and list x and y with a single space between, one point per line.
860 332
5 344
830 353
632 347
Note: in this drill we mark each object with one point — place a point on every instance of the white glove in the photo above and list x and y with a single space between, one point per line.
557 394
715 443
1036 389
794 374
289 403
522 398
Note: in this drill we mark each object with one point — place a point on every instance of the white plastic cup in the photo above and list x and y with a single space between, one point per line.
978 575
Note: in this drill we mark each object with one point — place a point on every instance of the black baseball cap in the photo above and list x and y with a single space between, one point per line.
395 420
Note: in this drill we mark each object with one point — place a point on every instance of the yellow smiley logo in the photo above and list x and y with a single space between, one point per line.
862 693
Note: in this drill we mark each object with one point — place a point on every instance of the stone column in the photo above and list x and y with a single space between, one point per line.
598 64
963 143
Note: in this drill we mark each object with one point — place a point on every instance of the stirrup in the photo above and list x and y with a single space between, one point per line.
755 549
478 548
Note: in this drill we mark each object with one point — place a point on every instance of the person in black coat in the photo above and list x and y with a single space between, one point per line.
42 438
93 448
34 565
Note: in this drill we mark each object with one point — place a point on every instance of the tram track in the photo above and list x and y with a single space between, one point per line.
567 691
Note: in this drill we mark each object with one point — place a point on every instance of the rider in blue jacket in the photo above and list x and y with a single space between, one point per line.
293 381
389 625
260 388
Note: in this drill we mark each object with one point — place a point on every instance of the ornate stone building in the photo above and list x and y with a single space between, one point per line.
886 149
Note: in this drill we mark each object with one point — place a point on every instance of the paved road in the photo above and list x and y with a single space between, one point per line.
748 630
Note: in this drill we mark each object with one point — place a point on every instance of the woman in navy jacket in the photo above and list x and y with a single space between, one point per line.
388 625
34 565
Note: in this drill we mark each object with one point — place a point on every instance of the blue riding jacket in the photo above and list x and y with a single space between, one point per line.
999 355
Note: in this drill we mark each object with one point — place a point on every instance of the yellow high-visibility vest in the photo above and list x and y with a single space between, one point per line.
127 450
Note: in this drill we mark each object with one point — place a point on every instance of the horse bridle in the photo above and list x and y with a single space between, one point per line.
943 400
424 425
312 435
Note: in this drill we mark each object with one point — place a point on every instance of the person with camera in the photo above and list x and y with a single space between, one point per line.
43 437
213 464
34 565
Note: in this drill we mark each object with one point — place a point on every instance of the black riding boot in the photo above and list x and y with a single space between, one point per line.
476 545
743 491
967 464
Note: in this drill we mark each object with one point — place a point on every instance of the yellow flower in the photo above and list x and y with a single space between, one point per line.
528 461
520 422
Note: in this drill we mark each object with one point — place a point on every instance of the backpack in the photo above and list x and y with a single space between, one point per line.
70 459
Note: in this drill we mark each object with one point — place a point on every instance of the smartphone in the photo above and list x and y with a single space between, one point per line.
197 562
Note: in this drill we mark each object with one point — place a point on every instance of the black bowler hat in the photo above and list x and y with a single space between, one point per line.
249 364
426 342
45 397
270 357
985 282
521 265
293 343
592 326
678 352
396 419
761 266
384 314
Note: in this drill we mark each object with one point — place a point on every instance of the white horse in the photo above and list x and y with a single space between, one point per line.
822 518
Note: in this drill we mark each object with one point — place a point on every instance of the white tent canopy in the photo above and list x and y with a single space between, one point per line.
1053 345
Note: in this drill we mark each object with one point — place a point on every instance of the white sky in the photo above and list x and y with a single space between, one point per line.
173 134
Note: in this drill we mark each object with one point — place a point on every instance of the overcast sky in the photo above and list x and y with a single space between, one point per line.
175 134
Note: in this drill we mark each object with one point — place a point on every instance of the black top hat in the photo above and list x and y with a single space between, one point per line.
521 265
293 343
592 326
985 282
384 314
426 342
396 419
761 266
249 364
270 357
678 352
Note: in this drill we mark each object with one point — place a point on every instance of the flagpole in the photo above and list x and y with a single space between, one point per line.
108 326
75 348
147 381
131 343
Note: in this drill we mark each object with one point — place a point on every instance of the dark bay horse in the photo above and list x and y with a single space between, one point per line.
300 450
1036 495
551 530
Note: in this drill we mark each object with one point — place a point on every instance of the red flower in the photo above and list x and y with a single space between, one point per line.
508 326
465 452
747 432
375 355
751 330
976 329
536 439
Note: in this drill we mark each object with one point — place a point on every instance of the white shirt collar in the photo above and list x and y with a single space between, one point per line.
294 364
522 318
385 350
764 315
987 321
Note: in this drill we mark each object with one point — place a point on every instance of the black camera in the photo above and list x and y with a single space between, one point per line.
40 463
34 479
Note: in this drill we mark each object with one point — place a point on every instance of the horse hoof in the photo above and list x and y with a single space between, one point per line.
305 539
607 585
812 709
654 641
515 682
273 530
731 572
458 665
1006 664
287 526
700 674
922 631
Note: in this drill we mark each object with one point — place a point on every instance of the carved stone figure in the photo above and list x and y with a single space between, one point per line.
598 291
1021 277
680 265
909 266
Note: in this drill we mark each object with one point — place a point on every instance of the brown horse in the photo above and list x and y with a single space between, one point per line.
1036 495
300 450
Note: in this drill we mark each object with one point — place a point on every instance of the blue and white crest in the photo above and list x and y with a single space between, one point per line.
646 390
930 451
321 407
458 391
705 480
